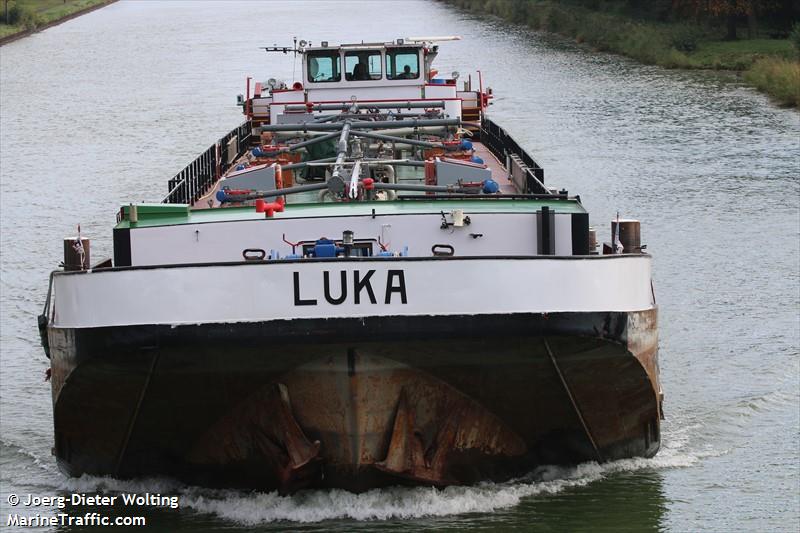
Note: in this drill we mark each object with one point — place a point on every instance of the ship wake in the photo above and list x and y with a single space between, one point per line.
312 506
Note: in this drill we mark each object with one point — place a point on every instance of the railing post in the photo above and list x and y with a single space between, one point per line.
194 180
190 182
217 169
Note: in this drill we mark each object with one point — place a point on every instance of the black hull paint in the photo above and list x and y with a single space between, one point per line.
203 403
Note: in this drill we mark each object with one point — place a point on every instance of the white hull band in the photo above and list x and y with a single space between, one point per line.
349 288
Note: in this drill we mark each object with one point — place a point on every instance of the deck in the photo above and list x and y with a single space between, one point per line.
499 174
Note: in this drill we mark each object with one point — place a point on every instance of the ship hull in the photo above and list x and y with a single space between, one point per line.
356 403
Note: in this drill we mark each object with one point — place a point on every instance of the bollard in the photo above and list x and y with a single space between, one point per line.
72 256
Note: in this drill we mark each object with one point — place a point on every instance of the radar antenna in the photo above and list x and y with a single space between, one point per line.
295 48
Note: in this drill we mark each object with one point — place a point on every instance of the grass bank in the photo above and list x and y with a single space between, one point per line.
771 65
778 77
27 16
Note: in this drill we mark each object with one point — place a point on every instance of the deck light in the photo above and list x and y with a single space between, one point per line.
347 242
347 237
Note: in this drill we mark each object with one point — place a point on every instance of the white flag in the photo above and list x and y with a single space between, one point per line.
618 248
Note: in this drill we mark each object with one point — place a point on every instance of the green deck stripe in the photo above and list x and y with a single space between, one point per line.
150 215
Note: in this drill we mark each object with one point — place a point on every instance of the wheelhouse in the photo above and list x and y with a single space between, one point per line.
360 65
369 73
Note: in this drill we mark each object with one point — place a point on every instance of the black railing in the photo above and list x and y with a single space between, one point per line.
501 144
201 174
242 135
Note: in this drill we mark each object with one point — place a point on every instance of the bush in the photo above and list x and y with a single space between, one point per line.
14 13
777 77
644 44
685 38
29 19
20 16
601 32
794 37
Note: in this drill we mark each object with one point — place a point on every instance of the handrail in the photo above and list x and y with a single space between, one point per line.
501 144
44 318
201 174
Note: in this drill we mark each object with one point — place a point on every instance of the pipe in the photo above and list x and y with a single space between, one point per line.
281 135
343 136
337 166
438 131
304 164
361 125
375 116
398 145
322 162
389 169
309 142
255 195
410 187
390 138
367 105
461 196
398 162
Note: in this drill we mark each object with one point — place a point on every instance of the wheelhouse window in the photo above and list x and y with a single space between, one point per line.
402 64
324 66
362 65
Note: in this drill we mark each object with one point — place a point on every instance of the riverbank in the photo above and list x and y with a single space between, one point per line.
771 65
29 16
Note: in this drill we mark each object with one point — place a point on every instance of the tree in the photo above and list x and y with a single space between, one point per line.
730 10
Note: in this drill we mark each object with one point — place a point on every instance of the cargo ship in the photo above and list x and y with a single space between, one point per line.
367 283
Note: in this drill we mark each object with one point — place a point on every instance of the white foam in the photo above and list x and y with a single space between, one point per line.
378 504
396 502
404 503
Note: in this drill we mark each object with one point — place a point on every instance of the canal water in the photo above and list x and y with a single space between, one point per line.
102 110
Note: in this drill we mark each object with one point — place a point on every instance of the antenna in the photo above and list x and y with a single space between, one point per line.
294 62
284 49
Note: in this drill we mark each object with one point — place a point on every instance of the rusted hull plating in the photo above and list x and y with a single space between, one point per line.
440 410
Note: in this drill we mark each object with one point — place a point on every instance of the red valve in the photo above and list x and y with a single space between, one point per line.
269 208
